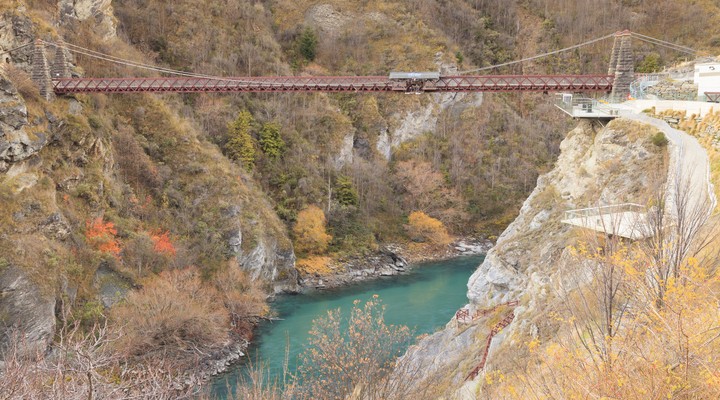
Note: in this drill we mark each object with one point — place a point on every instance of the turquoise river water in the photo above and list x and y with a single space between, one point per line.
424 299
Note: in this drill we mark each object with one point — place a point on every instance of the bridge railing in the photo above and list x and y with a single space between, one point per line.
604 210
460 83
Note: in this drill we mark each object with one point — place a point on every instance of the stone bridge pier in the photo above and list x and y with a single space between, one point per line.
42 73
621 66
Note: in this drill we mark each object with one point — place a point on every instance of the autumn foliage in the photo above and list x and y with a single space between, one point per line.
162 243
424 228
316 265
102 236
309 231
352 356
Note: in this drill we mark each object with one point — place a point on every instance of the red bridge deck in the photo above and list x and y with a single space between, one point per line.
482 83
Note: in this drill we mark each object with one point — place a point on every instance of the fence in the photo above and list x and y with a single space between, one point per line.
604 210
577 105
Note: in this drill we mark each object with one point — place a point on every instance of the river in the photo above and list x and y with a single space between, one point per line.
424 299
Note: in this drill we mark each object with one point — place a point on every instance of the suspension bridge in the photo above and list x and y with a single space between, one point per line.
56 79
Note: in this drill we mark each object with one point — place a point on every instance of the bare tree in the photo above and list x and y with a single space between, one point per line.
601 300
675 224
83 365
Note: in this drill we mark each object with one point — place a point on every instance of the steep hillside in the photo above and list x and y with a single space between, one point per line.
103 197
332 137
141 213
596 166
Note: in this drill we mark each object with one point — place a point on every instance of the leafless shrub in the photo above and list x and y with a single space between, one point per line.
24 84
174 316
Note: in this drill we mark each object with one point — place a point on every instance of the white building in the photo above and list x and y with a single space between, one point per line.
707 77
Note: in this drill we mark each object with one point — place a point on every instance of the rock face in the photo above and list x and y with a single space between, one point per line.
271 262
424 119
28 314
100 10
346 151
16 30
531 258
268 260
386 262
16 143
111 287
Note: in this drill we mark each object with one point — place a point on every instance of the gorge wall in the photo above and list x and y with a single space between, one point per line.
532 262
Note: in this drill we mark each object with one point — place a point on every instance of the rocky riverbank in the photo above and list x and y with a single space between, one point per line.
388 261
215 364
392 259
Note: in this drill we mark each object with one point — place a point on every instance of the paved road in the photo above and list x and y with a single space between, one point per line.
689 167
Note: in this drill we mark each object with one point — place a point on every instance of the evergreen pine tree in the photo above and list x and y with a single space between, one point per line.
271 143
240 145
307 44
346 194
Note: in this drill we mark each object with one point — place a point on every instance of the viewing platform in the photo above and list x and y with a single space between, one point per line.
584 107
626 220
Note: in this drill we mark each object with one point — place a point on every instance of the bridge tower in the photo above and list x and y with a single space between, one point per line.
60 68
622 66
40 73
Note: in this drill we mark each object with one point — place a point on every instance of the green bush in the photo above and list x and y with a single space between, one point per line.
241 145
651 63
659 140
271 143
346 194
307 44
91 313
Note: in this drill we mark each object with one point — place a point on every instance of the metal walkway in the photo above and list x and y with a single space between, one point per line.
460 83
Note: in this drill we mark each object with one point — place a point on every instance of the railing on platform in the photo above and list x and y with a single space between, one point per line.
604 210
578 106
463 315
712 97
639 87
509 317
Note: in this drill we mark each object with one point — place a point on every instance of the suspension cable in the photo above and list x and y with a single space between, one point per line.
16 48
539 55
117 60
663 43
135 64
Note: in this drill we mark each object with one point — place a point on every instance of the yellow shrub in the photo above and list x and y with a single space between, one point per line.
309 231
317 265
424 228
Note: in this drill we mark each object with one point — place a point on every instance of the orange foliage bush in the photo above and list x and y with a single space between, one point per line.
309 231
162 243
423 228
101 236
